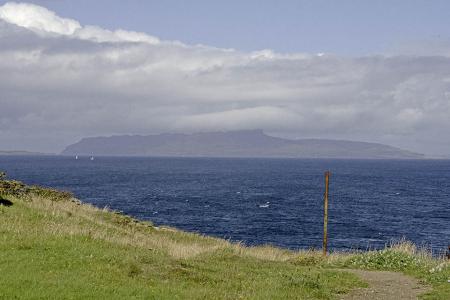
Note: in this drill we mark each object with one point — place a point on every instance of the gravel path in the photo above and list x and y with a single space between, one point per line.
386 285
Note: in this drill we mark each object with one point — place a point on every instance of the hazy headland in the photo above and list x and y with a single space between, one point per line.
244 143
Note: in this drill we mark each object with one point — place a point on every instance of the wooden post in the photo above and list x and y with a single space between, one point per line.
325 214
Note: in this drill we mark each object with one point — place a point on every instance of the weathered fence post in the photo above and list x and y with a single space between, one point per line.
325 214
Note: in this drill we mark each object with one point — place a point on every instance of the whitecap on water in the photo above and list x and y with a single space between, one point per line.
267 204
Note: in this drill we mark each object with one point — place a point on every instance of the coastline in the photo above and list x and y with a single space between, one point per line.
77 240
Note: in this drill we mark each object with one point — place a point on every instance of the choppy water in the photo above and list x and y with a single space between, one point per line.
258 201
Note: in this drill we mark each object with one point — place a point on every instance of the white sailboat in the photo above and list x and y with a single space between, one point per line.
92 158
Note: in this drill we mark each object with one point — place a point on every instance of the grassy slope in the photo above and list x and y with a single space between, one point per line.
63 249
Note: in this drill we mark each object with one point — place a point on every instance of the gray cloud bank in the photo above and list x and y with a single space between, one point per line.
60 81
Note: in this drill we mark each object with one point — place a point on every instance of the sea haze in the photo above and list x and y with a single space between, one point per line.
259 201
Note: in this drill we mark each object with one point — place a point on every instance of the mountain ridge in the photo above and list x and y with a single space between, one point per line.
242 143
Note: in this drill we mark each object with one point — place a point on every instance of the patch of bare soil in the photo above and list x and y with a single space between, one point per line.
386 285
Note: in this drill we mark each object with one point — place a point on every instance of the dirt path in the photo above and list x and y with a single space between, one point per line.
385 285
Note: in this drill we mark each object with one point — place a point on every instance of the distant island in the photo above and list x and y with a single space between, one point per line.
21 152
244 143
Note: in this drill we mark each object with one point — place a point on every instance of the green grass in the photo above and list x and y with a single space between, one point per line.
405 257
63 249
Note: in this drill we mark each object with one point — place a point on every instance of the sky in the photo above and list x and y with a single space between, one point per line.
375 71
357 27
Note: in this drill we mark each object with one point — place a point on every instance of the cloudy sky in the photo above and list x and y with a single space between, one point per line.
358 70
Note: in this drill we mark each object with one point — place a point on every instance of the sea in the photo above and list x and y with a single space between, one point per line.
257 201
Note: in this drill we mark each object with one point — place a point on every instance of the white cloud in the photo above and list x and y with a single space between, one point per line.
42 20
37 18
237 119
60 81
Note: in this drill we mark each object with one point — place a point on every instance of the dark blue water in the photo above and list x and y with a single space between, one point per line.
258 201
